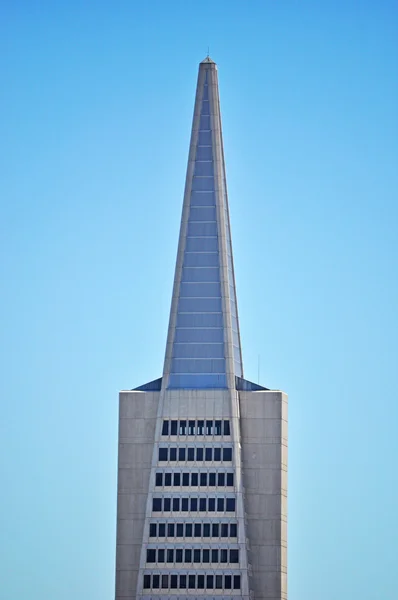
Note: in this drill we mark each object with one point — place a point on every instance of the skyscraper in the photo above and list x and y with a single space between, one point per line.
202 473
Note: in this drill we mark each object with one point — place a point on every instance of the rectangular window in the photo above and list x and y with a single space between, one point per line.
217 428
191 454
173 454
201 426
217 454
188 530
147 582
226 454
183 427
228 582
165 428
199 454
227 429
220 504
165 582
156 504
234 556
159 479
161 556
191 582
152 530
184 505
180 530
215 530
224 530
194 479
179 555
176 504
167 479
183 582
173 427
173 582
223 555
209 454
177 479
221 479
233 531
162 454
206 556
230 479
196 555
188 555
210 582
230 504
214 556
209 427
212 479
181 454
198 529
201 582
162 530
212 504
151 556
236 582
194 504
191 427
202 504
170 555
170 529
185 479
167 504
203 479
218 582
206 530
155 582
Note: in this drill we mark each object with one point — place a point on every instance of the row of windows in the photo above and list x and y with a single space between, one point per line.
194 479
198 454
205 504
192 582
200 427
189 555
195 530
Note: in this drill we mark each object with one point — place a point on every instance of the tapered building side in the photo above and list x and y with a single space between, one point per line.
202 473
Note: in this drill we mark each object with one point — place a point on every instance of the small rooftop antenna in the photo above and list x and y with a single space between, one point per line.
208 51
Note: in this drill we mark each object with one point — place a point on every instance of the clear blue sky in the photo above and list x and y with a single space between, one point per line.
96 104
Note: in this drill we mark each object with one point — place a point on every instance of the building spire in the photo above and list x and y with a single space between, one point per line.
203 345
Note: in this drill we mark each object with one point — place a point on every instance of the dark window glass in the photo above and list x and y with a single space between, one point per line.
170 555
203 479
202 504
217 428
194 504
198 529
228 582
167 479
162 530
215 530
173 454
170 529
167 504
224 529
194 479
220 504
173 582
191 582
155 582
230 504
184 505
180 530
165 428
209 427
178 555
230 479
183 582
196 555
188 556
183 427
199 454
223 555
201 426
176 504
212 479
218 582
157 504
217 454
161 556
173 427
185 479
206 530
151 556
227 430
163 454
181 454
191 427
159 479
206 556
177 479
221 479
188 530
212 504
233 530
214 556
147 582
209 582
234 556
201 582
226 454
165 582
208 454
236 582
152 530
191 454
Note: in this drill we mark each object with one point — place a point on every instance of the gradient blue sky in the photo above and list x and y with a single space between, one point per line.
96 104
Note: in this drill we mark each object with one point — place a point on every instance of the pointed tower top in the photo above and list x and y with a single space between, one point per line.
208 60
